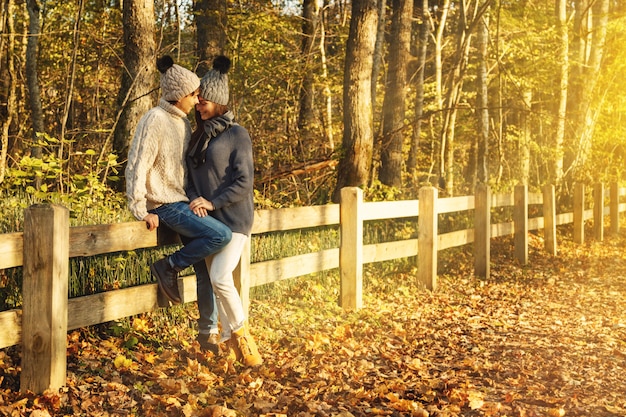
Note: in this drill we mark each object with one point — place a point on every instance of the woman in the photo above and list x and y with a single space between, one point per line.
156 177
221 170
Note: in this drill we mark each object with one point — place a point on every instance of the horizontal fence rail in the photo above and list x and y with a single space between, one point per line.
60 242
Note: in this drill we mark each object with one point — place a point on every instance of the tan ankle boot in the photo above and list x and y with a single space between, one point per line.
232 349
250 355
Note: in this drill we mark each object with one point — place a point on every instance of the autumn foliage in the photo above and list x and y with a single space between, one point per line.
547 339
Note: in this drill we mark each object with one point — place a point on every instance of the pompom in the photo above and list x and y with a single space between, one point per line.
164 63
221 64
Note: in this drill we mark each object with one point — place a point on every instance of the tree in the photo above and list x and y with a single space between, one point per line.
134 98
559 135
211 18
482 100
424 34
356 159
32 78
395 94
9 15
310 19
591 21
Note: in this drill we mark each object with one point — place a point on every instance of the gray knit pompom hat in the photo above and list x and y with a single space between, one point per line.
176 81
214 84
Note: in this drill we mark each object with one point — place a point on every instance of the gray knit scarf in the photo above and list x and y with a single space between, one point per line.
212 128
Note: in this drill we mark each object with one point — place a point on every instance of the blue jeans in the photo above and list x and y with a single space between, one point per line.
207 304
205 235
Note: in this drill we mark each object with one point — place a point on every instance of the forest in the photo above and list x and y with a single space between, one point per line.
385 95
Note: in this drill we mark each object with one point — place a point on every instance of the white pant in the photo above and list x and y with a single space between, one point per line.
230 308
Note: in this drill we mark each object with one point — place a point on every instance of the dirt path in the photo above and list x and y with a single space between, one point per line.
548 339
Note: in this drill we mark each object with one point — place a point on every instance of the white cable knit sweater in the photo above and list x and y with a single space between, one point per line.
155 173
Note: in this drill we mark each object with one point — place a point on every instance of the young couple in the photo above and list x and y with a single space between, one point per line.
199 184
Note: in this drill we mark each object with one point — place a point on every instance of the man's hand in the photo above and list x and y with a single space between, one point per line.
201 206
152 221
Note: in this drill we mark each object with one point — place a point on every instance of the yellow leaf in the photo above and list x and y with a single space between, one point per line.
122 361
140 325
556 412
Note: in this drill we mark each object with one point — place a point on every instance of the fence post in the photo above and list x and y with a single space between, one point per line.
482 230
579 213
241 276
45 293
427 237
614 208
549 219
598 211
351 248
520 222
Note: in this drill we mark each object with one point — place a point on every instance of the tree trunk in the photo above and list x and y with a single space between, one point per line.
32 78
424 33
71 79
482 100
563 54
526 136
355 163
438 51
310 19
454 86
590 95
211 24
378 48
12 84
395 94
327 91
138 79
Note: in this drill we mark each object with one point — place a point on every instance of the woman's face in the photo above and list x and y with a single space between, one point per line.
207 109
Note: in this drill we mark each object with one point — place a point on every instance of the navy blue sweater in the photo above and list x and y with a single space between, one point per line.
226 179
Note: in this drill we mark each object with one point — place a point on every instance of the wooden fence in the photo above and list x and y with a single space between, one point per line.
47 243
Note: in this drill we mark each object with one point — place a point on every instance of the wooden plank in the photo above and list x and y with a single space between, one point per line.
535 198
351 249
295 218
93 240
112 305
455 239
117 304
564 218
266 272
11 249
502 200
107 238
536 223
389 250
427 238
44 294
453 204
502 229
11 325
390 209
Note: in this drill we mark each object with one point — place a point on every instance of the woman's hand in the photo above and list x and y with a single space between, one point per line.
201 206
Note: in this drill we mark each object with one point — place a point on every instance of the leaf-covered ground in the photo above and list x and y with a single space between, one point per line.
548 339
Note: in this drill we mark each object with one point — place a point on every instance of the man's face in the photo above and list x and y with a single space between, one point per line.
186 103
